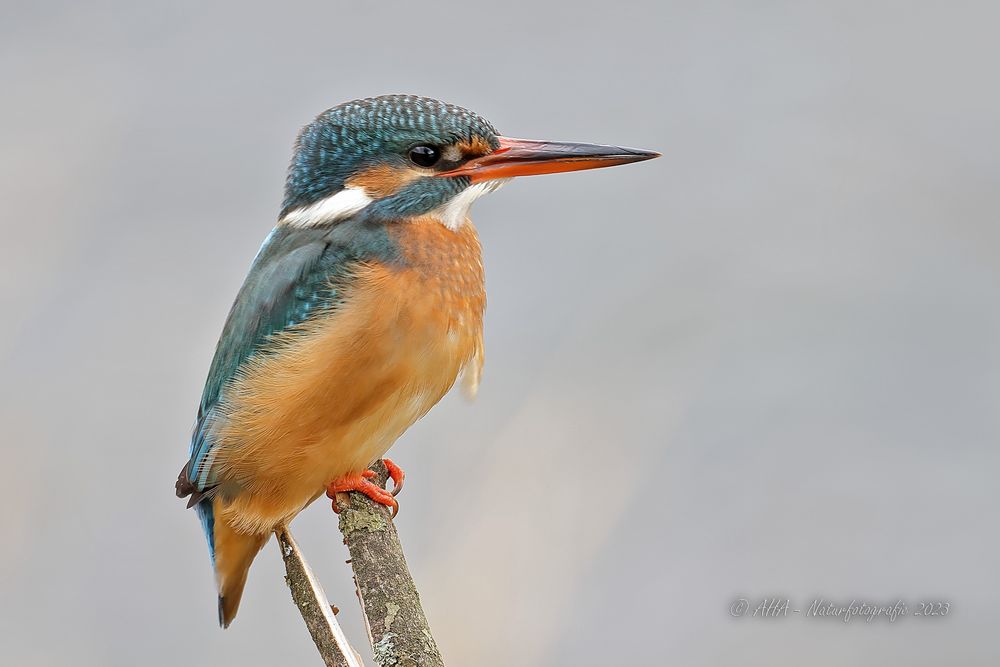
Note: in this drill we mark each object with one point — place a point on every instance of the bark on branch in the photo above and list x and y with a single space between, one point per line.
316 611
397 627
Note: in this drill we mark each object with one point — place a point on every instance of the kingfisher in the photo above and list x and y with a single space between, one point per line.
360 311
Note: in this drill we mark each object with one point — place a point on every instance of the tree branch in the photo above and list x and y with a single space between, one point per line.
315 608
397 627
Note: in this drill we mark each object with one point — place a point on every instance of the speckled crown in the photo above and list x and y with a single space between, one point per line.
329 148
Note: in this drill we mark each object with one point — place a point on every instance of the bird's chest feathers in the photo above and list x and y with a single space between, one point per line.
435 300
415 323
441 285
413 327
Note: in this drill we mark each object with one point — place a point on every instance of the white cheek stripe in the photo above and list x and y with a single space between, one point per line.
345 203
455 211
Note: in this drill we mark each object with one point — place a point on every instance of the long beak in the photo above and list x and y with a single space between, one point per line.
528 157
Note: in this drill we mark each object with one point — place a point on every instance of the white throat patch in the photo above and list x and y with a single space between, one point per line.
454 213
345 203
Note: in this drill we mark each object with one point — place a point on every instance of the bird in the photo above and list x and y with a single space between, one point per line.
360 311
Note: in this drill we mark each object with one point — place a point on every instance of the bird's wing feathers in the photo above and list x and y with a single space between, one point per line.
294 274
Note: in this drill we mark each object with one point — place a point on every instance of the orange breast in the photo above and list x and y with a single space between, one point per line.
341 388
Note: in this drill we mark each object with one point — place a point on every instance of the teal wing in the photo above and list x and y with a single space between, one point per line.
296 273
282 287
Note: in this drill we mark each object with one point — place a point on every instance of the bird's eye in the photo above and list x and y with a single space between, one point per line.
424 155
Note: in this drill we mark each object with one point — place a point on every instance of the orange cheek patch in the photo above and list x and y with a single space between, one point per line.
474 147
383 180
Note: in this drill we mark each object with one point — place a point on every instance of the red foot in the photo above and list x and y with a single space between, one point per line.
361 483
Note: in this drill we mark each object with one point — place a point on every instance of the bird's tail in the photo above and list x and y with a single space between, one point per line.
233 552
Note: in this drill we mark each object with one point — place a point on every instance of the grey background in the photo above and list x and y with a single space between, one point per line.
763 365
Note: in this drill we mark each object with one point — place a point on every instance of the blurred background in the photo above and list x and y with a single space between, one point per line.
765 365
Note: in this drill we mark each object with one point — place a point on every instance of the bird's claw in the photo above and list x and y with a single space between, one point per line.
361 482
396 474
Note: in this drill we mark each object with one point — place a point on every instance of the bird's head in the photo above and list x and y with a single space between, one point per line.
400 156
